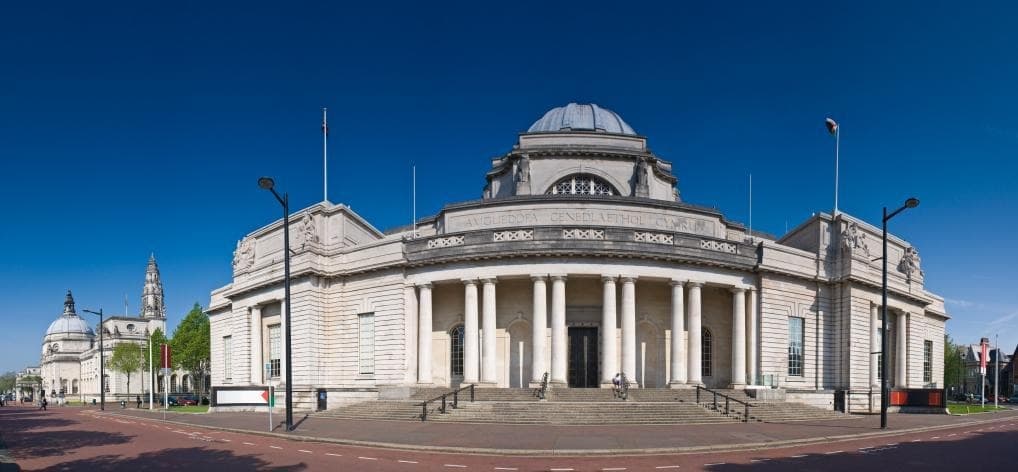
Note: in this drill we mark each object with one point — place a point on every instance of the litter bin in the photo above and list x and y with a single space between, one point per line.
323 399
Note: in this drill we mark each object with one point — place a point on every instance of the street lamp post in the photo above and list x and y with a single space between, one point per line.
284 200
102 361
884 359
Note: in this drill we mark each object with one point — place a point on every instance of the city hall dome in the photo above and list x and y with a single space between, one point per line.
69 322
581 117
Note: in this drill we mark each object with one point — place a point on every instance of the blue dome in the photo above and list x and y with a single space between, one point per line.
581 117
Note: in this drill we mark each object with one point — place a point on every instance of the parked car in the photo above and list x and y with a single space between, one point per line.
182 400
1013 399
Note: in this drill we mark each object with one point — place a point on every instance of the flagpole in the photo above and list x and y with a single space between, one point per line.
325 155
413 169
750 207
837 146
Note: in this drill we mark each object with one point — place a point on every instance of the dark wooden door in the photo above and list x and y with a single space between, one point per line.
583 358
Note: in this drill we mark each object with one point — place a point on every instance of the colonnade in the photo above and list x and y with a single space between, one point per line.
686 302
901 347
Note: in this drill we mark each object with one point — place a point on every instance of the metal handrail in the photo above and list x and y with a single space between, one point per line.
727 401
542 391
443 409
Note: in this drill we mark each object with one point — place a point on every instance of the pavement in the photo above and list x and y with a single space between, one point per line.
86 439
534 440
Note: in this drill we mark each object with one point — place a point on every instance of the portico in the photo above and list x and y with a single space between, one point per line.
661 304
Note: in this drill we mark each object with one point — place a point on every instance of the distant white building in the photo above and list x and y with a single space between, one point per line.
70 349
579 260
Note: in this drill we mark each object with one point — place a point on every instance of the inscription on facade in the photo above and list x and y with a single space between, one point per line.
624 218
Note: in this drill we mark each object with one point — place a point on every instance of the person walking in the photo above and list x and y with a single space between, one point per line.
42 404
137 400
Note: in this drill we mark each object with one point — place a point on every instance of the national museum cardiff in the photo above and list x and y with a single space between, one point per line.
579 261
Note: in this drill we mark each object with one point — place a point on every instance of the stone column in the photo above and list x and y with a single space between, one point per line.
609 355
751 334
694 352
874 345
901 376
738 337
470 351
256 345
412 317
629 328
424 335
678 374
540 327
559 347
488 374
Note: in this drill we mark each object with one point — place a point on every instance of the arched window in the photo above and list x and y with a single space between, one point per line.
74 386
582 184
456 347
705 350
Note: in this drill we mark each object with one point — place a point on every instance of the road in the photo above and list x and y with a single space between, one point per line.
77 439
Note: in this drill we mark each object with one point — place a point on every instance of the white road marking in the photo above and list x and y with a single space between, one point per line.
224 439
667 467
613 468
407 462
714 463
864 448
249 444
275 447
916 440
952 435
935 437
463 466
759 460
506 468
304 450
833 452
368 458
800 456
334 455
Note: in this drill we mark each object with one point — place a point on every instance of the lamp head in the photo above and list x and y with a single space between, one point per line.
266 183
912 202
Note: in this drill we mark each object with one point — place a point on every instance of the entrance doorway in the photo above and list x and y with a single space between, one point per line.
583 358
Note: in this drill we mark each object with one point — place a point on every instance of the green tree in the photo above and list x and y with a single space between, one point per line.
127 358
952 363
192 345
7 381
158 338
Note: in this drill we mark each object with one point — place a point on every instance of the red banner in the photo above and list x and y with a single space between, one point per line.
164 353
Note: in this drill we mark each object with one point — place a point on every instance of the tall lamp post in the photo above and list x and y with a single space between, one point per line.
884 359
268 184
102 361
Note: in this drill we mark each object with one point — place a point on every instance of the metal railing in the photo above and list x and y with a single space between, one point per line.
542 391
727 403
455 394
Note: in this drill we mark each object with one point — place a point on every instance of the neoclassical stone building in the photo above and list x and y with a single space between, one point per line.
580 260
69 364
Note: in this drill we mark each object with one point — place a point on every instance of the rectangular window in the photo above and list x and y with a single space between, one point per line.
366 343
927 362
880 357
228 358
796 340
275 351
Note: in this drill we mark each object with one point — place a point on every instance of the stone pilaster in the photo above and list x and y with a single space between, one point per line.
424 335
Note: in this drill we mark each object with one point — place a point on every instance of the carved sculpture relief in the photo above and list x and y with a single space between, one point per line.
308 233
523 176
909 264
244 255
853 239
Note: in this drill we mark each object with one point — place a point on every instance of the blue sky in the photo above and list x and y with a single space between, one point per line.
137 128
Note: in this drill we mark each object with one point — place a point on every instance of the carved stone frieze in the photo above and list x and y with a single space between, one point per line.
718 246
909 264
853 240
445 242
307 233
580 233
244 255
517 235
659 238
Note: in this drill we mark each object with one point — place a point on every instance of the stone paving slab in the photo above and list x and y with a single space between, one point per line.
551 439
